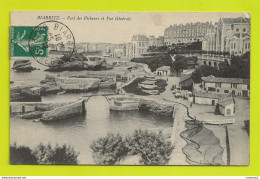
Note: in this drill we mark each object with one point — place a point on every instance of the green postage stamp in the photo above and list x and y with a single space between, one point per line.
28 41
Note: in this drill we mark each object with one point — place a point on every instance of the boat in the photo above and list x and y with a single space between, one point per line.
149 77
219 122
147 87
153 92
62 92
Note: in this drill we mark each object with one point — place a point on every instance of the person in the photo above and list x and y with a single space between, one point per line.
195 119
190 105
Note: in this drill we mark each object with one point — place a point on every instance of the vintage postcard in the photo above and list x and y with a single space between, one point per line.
129 88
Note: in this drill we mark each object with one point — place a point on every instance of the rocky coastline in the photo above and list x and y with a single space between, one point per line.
78 62
39 111
203 147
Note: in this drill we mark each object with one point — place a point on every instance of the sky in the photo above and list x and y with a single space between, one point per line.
105 26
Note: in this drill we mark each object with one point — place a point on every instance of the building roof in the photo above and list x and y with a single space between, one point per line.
185 77
164 68
242 20
213 79
226 101
208 94
140 38
235 20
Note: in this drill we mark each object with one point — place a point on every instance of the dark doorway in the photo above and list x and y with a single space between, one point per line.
244 93
233 92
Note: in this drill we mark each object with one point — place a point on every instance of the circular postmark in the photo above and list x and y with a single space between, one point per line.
50 39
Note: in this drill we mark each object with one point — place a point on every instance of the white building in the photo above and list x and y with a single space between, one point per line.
140 45
233 35
227 106
233 86
190 32
163 71
208 98
129 50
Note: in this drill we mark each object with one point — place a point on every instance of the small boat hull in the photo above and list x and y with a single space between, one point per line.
219 122
147 87
152 92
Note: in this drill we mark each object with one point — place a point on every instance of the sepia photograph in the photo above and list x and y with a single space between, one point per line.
129 88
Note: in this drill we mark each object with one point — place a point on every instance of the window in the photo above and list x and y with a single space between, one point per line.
226 91
248 86
244 29
228 111
237 29
211 89
234 85
218 85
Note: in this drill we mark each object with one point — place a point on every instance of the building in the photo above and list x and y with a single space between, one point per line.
140 45
190 32
153 41
208 98
212 60
233 35
92 47
163 71
160 41
233 86
118 52
226 106
209 41
186 81
129 50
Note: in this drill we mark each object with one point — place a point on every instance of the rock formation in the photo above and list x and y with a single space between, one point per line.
66 111
32 115
78 61
203 147
25 93
160 109
23 65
